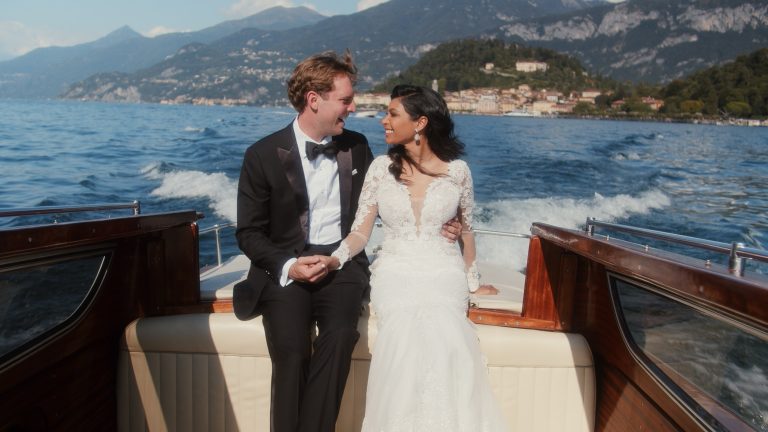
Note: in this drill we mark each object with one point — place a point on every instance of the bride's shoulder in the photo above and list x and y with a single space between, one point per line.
380 163
381 160
459 168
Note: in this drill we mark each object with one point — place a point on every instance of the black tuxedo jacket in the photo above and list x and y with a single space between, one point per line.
273 207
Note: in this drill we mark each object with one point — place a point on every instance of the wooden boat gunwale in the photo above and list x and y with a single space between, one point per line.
708 287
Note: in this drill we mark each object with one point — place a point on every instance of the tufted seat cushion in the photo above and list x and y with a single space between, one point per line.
211 372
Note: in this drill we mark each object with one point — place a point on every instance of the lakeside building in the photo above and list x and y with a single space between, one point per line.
372 100
530 66
499 101
654 104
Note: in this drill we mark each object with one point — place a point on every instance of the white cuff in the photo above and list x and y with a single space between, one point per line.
473 278
342 254
284 279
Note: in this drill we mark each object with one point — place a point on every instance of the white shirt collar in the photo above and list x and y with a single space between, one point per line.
302 137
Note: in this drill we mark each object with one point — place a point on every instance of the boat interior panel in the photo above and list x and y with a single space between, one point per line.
68 381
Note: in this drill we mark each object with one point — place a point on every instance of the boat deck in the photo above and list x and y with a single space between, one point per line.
217 283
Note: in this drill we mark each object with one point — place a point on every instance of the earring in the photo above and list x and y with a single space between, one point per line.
416 137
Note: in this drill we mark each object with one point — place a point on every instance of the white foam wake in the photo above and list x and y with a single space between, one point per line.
220 190
516 216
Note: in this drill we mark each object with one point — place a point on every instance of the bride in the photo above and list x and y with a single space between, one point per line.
427 372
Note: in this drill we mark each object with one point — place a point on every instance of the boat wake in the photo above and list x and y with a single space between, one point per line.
219 190
510 215
517 215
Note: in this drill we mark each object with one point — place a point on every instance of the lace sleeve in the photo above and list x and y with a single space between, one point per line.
466 208
367 210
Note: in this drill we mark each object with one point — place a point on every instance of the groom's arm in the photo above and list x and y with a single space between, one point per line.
253 216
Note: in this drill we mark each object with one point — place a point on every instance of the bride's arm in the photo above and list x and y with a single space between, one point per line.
468 250
367 210
355 242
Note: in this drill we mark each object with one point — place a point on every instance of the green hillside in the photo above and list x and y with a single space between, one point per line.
460 65
738 89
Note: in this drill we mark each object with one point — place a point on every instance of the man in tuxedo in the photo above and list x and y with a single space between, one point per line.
297 198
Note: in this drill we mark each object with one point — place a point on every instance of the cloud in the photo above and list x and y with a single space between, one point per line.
365 4
17 39
161 30
244 8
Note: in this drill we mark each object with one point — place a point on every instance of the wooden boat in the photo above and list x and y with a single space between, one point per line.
106 325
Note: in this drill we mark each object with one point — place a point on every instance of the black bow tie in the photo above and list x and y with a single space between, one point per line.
315 149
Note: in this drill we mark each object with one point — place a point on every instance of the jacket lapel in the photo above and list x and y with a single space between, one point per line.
290 158
344 161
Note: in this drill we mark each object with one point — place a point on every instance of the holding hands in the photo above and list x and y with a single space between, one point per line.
312 269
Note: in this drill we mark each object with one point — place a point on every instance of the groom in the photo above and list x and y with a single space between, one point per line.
296 199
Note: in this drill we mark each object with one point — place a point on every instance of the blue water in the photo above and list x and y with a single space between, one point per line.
698 180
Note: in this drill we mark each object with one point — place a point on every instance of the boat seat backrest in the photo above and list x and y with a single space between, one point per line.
211 372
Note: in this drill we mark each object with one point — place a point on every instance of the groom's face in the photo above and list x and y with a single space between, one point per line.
333 107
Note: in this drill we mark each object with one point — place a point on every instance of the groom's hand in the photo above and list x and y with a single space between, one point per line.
308 269
451 229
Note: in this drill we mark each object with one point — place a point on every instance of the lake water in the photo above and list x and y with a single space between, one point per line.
699 180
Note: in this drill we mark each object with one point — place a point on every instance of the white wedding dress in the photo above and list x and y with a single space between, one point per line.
427 372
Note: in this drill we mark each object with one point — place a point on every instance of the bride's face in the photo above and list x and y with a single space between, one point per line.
398 126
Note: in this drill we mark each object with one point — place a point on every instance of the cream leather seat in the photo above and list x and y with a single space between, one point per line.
211 372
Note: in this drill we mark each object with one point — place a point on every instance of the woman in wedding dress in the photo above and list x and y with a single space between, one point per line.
427 371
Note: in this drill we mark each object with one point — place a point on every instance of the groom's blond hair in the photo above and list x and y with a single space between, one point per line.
317 73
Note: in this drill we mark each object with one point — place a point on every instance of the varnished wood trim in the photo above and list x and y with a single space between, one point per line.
73 234
714 287
505 318
622 407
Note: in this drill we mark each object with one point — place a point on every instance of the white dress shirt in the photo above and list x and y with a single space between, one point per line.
322 180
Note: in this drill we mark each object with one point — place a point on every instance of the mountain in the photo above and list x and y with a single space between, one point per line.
252 65
649 40
275 18
47 72
639 40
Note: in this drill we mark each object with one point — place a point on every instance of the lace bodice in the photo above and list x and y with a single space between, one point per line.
414 219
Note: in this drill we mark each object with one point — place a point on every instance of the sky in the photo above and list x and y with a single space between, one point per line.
29 24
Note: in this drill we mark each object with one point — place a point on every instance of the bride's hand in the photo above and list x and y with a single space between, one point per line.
487 289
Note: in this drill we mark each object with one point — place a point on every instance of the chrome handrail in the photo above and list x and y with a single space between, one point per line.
501 233
32 211
736 251
216 229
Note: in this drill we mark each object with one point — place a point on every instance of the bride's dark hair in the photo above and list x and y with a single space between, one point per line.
421 101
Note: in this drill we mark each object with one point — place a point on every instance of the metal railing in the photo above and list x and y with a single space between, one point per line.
216 229
33 211
736 251
501 233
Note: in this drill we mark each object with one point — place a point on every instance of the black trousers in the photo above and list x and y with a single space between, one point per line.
308 378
